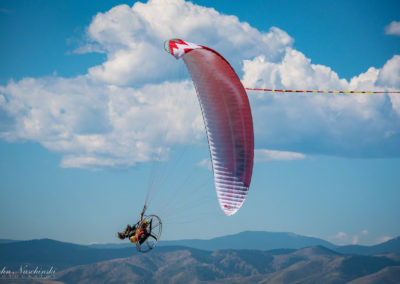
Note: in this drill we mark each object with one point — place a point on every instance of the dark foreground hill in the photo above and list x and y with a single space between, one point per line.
309 265
387 275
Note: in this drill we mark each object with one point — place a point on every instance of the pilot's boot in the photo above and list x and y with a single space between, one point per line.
125 233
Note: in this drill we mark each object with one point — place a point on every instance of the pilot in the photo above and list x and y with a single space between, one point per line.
138 232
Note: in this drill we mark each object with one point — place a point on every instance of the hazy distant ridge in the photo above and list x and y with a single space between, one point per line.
272 240
253 240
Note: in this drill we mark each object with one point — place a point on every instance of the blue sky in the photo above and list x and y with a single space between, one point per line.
89 100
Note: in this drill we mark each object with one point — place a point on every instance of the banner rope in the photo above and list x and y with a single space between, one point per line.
325 92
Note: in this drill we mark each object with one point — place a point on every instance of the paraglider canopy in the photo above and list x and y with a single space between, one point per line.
227 118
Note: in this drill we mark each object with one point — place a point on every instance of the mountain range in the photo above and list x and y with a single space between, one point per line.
308 265
247 257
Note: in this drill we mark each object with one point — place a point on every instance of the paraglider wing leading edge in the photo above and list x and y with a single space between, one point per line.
227 118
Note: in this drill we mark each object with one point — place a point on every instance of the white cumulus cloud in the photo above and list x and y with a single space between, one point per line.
393 28
132 38
348 125
342 238
205 163
264 155
96 125
139 102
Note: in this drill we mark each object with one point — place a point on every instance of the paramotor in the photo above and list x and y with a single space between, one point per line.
148 238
